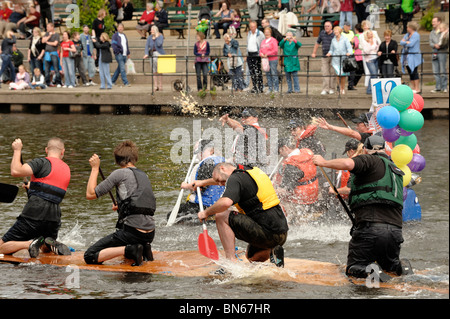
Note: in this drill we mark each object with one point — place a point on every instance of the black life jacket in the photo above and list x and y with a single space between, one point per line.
141 201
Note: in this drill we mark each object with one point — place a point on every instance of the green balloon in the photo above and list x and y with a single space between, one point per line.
401 97
410 141
411 120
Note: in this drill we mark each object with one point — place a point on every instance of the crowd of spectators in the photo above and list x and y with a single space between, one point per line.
59 58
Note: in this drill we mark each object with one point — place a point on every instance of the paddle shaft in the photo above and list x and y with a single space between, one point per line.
342 119
347 210
210 250
110 194
276 167
174 212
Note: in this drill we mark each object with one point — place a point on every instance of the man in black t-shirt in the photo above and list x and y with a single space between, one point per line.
376 200
259 221
40 220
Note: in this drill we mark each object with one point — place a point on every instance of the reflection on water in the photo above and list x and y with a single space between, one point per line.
426 242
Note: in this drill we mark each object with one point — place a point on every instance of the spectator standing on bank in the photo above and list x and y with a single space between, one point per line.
6 54
153 49
46 12
439 46
407 10
387 55
254 39
361 9
325 38
36 51
201 52
88 52
121 51
255 10
357 74
340 47
98 27
411 56
370 56
51 58
105 59
269 51
346 13
290 47
67 61
78 58
235 61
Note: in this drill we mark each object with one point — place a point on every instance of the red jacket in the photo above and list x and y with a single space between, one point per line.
4 14
346 5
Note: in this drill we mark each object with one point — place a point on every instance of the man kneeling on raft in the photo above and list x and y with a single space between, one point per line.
259 220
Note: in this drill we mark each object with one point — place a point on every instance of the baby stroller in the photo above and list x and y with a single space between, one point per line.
393 18
219 76
204 18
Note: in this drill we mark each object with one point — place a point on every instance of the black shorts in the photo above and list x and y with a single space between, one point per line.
122 237
27 229
413 75
255 235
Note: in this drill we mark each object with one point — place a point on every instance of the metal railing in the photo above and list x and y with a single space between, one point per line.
307 72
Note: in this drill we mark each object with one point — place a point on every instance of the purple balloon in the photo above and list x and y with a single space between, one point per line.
417 163
391 134
405 193
404 133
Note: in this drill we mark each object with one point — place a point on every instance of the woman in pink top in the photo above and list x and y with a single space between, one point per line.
269 54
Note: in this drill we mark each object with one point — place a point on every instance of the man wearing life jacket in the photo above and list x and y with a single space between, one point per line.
249 146
136 205
376 200
38 225
259 219
304 136
362 128
210 194
298 186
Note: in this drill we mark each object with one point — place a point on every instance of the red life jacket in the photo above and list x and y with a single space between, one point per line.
307 190
52 187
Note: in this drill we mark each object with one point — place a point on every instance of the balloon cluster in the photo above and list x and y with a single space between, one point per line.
202 25
399 121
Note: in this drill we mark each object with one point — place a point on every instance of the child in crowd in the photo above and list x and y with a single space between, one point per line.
22 81
38 80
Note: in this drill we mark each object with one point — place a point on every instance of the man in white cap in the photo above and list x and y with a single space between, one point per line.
376 201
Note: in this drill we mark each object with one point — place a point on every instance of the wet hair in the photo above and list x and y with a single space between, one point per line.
126 152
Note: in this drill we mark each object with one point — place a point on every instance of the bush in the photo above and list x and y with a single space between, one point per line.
425 22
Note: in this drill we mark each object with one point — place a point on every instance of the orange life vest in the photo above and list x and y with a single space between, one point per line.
307 190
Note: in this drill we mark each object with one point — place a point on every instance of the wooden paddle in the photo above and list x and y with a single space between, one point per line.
110 194
8 193
176 208
206 244
342 119
347 210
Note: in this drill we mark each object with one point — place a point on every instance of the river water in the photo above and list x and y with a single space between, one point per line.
426 242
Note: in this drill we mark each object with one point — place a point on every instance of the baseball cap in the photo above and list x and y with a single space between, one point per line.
351 144
249 112
347 23
360 119
296 123
374 142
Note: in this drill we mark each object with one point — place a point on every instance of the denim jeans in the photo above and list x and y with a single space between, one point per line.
121 60
292 77
69 71
372 65
7 63
346 16
54 61
201 68
89 66
439 67
218 26
105 75
237 78
272 76
35 63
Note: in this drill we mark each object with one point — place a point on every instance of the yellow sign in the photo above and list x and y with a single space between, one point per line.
167 63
